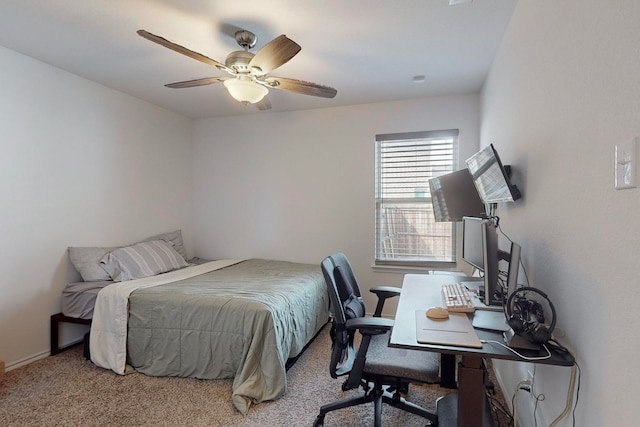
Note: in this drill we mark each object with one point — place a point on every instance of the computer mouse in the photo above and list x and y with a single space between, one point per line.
437 313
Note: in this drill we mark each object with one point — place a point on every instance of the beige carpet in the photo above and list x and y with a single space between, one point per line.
67 390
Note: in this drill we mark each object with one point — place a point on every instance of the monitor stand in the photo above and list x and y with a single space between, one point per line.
478 304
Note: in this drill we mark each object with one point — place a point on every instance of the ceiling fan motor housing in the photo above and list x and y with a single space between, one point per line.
239 61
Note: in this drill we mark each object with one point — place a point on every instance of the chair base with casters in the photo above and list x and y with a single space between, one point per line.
382 371
378 395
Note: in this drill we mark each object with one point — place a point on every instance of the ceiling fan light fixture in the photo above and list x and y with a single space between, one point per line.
245 90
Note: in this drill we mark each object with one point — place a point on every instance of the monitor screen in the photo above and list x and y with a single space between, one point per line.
490 177
454 196
472 242
480 250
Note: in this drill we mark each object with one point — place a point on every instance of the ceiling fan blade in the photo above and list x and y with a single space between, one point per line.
196 82
264 104
299 86
183 50
275 53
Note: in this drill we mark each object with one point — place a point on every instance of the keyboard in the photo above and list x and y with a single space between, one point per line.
456 298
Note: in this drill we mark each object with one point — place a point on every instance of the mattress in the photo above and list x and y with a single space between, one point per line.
79 298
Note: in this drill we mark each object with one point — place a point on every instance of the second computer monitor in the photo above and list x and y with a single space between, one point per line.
480 250
514 266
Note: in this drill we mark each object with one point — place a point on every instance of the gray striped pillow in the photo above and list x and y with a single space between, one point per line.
142 260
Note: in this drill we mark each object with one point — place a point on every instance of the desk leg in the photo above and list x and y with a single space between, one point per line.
471 391
448 370
469 406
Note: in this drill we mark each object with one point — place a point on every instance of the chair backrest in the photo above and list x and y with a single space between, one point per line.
349 284
346 303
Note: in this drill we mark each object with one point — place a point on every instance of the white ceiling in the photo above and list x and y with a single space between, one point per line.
369 50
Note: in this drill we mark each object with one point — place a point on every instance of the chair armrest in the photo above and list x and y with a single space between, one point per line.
370 325
383 293
386 291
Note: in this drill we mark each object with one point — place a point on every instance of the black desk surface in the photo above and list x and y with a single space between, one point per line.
422 291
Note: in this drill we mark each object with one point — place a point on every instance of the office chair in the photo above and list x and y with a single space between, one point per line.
383 372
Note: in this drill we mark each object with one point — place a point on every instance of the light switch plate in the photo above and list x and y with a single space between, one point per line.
626 164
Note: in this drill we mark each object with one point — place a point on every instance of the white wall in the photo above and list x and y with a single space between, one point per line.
80 165
300 185
563 91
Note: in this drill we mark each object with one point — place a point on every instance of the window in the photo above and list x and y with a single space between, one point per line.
406 231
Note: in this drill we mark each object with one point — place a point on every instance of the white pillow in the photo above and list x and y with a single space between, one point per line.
142 260
87 262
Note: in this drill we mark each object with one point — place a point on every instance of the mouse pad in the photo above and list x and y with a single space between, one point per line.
456 330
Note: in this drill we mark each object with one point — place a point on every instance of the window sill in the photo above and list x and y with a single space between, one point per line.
413 270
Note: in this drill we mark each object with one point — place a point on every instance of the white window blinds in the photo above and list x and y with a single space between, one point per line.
406 230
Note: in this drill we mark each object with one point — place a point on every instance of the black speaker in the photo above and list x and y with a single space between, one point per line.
531 315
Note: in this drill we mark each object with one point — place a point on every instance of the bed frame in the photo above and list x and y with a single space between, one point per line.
58 318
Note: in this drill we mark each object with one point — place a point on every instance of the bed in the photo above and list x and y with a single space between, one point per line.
240 319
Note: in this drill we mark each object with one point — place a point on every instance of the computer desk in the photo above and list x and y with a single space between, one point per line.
468 406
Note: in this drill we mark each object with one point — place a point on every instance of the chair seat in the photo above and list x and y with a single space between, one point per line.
419 366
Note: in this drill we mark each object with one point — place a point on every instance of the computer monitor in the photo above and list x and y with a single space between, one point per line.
454 196
480 250
473 242
512 272
491 178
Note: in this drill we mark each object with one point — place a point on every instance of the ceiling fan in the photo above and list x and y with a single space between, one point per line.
248 81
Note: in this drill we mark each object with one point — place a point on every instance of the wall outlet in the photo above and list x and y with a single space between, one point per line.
530 378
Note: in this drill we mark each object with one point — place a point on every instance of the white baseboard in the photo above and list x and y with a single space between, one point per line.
30 359
27 360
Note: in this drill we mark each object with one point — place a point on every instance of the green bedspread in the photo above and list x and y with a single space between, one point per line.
243 322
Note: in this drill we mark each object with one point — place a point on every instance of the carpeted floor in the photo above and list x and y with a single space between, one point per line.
67 390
